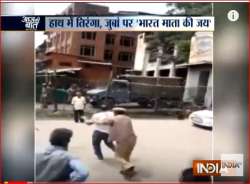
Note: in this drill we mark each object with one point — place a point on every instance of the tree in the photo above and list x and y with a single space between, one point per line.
195 9
176 45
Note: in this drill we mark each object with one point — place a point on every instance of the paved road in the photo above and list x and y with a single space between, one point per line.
164 148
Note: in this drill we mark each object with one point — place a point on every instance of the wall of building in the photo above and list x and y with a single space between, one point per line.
192 82
89 9
192 85
56 61
117 48
69 43
140 53
95 75
201 48
209 94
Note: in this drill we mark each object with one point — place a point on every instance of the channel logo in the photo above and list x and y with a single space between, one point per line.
229 165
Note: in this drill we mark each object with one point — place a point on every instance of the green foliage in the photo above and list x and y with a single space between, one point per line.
184 50
198 9
168 40
182 39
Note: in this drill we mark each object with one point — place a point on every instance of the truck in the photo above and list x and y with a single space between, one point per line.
145 91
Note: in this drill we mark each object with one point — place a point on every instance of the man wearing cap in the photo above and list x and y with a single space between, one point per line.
56 164
122 133
101 131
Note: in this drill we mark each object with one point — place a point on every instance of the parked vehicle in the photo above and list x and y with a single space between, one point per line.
142 90
202 118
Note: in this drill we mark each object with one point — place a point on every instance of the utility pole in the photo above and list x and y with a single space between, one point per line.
158 62
157 75
172 66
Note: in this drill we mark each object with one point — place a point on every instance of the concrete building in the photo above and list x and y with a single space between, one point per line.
146 60
98 54
199 82
197 71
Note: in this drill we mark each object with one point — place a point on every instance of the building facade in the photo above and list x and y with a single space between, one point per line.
199 82
95 52
196 72
146 59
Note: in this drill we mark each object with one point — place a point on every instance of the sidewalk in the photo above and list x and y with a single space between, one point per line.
65 112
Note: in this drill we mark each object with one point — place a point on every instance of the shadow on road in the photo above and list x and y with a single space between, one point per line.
141 173
204 128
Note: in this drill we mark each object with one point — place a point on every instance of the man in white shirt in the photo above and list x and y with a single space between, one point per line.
101 132
78 103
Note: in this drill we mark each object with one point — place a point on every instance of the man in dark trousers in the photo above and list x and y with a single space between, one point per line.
78 103
56 163
101 132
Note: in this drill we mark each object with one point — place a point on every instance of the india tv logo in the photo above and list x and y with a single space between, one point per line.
229 165
31 23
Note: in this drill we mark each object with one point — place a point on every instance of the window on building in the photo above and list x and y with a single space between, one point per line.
89 35
110 39
87 50
152 57
108 54
125 56
127 41
150 73
164 73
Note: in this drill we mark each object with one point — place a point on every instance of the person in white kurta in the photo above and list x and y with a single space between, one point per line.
78 103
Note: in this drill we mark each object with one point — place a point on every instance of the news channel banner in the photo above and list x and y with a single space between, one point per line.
228 165
107 23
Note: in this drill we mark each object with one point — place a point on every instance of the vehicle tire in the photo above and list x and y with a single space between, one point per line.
107 103
151 104
181 115
143 104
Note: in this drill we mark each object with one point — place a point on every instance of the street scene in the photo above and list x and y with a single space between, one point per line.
163 149
123 106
